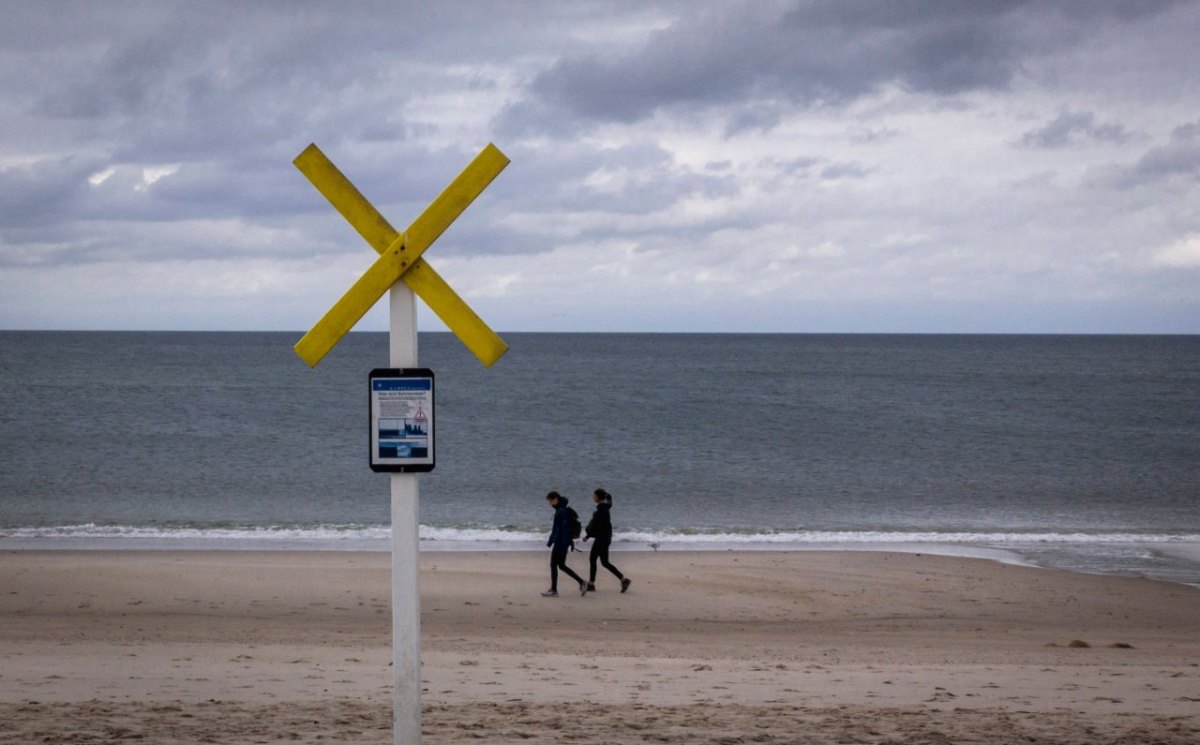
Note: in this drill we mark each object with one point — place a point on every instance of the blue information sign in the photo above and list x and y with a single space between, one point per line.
402 419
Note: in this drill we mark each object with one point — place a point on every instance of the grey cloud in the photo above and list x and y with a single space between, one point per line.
655 181
48 192
557 185
1070 127
166 98
127 80
555 179
1178 159
43 192
186 81
754 118
221 190
534 116
826 51
844 170
790 166
872 135
231 92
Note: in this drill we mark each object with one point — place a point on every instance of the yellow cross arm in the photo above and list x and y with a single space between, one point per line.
427 283
404 255
456 314
354 304
346 198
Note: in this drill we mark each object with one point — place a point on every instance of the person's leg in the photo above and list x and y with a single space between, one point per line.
625 581
607 565
558 560
592 563
569 571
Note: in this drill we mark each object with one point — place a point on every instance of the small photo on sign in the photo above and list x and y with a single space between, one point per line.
401 421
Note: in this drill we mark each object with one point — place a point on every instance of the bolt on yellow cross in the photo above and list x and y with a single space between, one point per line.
400 255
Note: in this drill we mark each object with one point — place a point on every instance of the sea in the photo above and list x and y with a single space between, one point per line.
1072 452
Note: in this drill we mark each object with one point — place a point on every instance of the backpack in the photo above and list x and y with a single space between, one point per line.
573 522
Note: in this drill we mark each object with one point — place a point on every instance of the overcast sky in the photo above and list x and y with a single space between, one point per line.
838 166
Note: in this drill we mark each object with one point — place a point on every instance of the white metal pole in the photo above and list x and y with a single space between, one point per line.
406 548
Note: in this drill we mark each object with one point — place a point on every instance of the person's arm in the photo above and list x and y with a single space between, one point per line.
555 526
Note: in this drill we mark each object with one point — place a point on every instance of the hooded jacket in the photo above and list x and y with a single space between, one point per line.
560 532
600 526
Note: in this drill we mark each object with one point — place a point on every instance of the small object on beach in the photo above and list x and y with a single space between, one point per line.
550 594
625 583
1121 645
655 546
1079 644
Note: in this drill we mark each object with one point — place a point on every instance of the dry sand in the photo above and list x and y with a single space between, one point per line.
719 647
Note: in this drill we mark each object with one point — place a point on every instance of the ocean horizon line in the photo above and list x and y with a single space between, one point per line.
976 333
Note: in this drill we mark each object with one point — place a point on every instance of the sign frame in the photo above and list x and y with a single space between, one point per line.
401 413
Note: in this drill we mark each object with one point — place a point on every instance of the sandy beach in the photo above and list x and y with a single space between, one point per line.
712 647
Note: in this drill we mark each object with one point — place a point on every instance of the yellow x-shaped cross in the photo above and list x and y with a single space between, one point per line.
400 255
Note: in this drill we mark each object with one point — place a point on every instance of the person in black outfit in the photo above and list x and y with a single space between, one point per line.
560 542
600 528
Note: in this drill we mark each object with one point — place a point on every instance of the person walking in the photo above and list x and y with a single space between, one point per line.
600 528
561 540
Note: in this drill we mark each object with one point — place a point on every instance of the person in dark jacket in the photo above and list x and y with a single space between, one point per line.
560 542
600 528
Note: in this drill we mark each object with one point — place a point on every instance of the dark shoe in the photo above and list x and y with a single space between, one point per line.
625 583
591 586
583 588
550 594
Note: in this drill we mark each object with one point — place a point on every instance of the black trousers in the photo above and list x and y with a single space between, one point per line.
600 553
558 560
